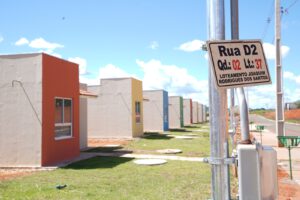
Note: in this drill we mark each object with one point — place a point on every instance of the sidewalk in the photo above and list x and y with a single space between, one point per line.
270 139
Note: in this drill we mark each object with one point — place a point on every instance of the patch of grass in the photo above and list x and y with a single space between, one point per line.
199 146
296 121
114 179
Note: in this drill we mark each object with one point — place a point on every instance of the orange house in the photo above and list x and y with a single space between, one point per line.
39 110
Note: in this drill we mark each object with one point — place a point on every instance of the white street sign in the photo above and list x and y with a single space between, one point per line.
238 63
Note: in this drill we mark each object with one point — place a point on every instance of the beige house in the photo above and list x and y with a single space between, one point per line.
39 110
187 112
195 112
200 113
175 112
83 110
117 112
156 114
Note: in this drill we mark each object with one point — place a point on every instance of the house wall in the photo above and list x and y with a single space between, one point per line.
60 79
175 112
155 106
187 112
200 112
204 113
195 112
137 95
166 110
20 110
110 114
83 119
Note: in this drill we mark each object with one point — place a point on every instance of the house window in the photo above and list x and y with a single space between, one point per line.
138 112
63 118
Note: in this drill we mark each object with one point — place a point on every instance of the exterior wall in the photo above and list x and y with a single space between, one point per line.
137 96
175 112
195 112
187 112
20 127
204 113
110 115
60 79
166 110
200 112
83 119
155 110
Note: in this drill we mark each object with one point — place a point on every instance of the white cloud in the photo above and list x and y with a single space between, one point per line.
291 76
21 41
111 71
291 95
108 71
175 80
154 45
191 46
270 50
40 43
82 64
1 38
89 81
262 96
50 52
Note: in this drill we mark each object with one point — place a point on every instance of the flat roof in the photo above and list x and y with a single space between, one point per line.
85 93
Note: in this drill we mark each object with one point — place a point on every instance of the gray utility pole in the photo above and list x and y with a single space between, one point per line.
234 5
278 73
240 91
217 107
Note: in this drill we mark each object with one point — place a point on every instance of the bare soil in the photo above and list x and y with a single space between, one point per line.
11 173
287 189
288 114
102 142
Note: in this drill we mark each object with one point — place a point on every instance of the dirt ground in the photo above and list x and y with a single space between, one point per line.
288 190
102 142
11 173
288 114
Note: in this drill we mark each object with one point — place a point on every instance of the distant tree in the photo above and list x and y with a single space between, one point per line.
297 103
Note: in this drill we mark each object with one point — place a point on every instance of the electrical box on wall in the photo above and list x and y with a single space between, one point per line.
257 169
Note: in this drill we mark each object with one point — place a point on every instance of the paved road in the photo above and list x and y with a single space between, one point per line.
290 129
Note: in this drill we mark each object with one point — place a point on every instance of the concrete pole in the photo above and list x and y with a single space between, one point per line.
217 106
278 73
244 117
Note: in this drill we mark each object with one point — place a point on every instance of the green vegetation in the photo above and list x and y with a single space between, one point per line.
117 178
297 103
198 146
114 178
259 111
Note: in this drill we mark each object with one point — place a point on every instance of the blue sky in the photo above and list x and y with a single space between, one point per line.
156 41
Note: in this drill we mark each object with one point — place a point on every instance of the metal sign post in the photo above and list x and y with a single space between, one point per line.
243 104
217 107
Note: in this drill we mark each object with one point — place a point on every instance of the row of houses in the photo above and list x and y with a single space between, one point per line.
46 116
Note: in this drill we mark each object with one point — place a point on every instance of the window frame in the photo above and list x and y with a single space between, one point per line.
69 124
138 116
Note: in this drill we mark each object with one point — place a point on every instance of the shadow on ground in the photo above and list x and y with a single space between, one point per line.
179 130
191 127
98 162
156 136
